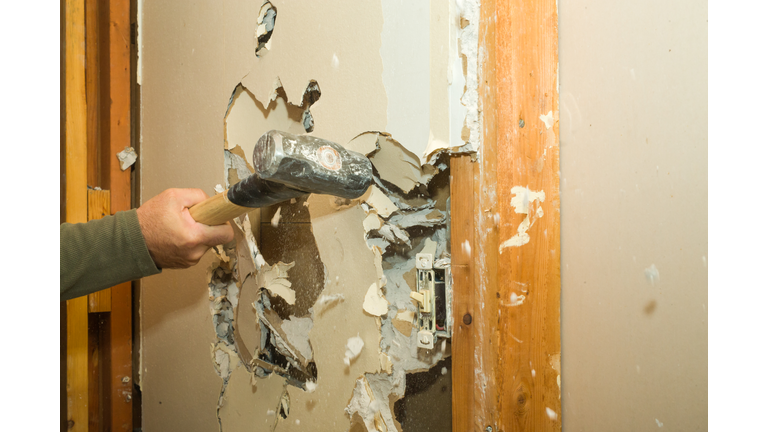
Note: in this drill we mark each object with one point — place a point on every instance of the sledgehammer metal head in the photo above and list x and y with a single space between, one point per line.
288 166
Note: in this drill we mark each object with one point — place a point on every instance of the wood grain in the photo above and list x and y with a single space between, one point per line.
529 274
93 90
76 205
462 264
119 124
98 207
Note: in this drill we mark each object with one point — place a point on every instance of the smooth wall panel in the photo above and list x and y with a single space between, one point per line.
633 124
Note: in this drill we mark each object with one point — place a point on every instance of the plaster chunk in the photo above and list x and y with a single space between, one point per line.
276 281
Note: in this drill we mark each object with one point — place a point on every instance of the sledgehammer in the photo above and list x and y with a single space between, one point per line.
289 166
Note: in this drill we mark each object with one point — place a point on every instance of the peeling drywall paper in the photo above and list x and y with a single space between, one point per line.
376 199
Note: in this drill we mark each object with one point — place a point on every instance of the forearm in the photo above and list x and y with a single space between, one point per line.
102 253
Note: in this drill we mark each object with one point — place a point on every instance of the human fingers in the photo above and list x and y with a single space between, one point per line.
217 235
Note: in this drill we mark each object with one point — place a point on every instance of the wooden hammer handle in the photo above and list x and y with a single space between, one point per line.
216 210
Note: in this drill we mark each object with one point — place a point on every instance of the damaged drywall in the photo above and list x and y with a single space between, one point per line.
313 322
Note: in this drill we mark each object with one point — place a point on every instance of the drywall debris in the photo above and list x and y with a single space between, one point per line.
397 165
266 25
353 348
376 199
276 218
297 334
371 222
365 143
328 300
652 274
403 322
127 157
375 304
548 119
426 217
393 234
430 247
363 404
551 414
276 281
310 386
522 199
224 358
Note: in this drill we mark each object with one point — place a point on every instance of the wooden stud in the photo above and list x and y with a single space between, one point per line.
514 351
98 207
93 90
462 266
76 206
528 272
119 125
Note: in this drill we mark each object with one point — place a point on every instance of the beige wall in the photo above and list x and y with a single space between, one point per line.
633 124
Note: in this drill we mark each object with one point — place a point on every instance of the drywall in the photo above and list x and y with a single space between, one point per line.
303 320
633 130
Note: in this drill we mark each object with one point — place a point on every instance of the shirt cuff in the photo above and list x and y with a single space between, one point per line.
129 224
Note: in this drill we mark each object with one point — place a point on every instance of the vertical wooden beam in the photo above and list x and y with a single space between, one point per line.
462 266
98 207
527 139
119 125
92 89
76 206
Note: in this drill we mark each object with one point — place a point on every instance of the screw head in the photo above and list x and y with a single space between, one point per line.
467 319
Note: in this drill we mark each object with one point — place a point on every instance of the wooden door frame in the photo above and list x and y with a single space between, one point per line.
506 259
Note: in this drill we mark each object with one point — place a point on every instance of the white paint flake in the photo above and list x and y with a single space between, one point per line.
522 201
276 218
353 348
374 303
127 157
551 414
548 119
516 300
658 423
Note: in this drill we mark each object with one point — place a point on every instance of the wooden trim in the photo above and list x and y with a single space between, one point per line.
98 207
514 292
119 125
76 206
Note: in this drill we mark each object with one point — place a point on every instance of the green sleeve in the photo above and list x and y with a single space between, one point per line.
102 253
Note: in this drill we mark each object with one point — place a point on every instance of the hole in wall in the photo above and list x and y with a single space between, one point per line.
265 27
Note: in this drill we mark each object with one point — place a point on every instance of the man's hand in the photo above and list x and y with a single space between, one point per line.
173 238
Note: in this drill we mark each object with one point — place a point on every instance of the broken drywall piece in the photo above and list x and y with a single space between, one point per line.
353 348
430 247
276 281
398 166
393 234
426 217
371 222
327 301
365 143
276 218
297 334
363 404
403 322
375 304
376 199
127 157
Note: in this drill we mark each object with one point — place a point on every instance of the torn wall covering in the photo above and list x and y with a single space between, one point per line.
306 320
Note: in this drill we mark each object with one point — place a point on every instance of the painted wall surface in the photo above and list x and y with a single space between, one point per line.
209 89
633 125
